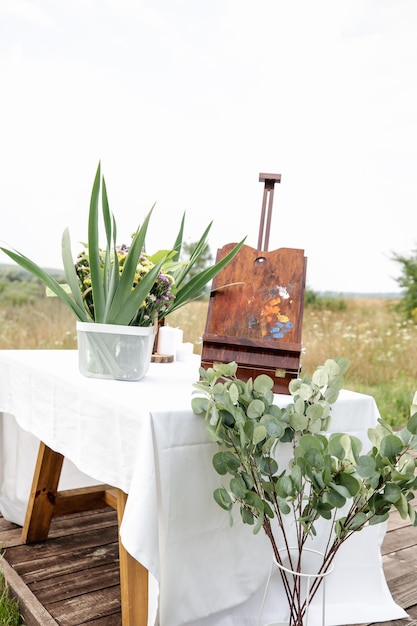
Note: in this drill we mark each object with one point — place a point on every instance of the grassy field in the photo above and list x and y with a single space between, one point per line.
368 331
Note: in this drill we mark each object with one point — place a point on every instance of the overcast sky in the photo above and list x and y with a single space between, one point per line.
185 102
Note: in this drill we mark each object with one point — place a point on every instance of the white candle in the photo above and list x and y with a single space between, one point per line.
184 351
167 340
178 337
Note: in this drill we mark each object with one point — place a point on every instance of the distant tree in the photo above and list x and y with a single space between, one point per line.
203 261
408 283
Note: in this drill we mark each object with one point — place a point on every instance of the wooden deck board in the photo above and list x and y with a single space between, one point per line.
74 575
73 578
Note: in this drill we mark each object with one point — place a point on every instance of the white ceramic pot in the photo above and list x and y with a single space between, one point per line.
113 351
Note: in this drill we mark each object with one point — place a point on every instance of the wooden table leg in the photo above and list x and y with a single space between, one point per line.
41 508
43 494
133 579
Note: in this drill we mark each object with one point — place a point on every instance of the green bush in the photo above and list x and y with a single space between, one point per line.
408 282
322 302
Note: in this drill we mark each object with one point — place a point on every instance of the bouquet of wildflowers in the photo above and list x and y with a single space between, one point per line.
156 301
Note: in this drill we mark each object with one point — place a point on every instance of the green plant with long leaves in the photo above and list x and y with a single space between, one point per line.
116 294
324 476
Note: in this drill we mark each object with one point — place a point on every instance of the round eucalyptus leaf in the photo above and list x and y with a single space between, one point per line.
412 424
315 425
320 377
317 481
357 521
268 466
284 486
307 442
334 499
366 466
339 445
259 434
314 458
298 421
324 511
248 480
263 383
283 506
407 465
199 405
391 446
402 506
299 405
226 369
412 514
325 407
294 386
343 364
238 487
331 394
332 367
226 462
234 393
336 382
296 477
378 519
247 516
275 410
314 411
223 498
248 428
305 391
273 425
252 499
349 483
392 493
255 409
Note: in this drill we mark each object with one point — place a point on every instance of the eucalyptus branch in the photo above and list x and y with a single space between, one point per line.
327 476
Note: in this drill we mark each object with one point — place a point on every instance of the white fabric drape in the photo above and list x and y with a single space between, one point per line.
143 438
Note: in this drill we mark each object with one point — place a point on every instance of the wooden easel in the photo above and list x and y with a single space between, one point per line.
256 306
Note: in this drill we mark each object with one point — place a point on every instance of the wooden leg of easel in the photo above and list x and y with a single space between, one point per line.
43 494
133 579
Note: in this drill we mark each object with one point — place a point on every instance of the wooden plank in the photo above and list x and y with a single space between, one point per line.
403 589
37 561
399 539
80 499
395 520
86 607
82 522
73 565
10 538
67 585
401 562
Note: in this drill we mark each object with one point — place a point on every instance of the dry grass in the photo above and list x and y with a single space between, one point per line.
369 332
44 323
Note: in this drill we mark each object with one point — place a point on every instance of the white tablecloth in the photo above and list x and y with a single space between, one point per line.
143 438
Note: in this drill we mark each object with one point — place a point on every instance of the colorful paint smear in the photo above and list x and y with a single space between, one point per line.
271 323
